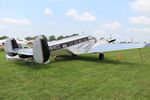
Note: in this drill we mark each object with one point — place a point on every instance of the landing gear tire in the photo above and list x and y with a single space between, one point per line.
101 56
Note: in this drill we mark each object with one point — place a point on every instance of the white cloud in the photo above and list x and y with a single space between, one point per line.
142 6
112 25
140 20
134 30
146 30
48 12
139 30
85 16
12 21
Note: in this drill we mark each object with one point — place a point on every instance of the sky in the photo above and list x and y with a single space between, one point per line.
124 20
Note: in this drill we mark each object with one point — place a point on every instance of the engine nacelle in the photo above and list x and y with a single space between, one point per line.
10 46
41 52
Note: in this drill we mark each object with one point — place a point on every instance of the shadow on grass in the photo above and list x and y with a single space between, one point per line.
91 59
32 65
60 59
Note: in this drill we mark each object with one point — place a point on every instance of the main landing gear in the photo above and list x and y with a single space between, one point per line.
101 56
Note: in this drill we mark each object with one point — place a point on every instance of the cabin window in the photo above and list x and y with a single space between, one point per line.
51 47
85 39
55 47
64 45
76 42
81 40
70 43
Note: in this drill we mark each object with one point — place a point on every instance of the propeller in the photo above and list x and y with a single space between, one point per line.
110 41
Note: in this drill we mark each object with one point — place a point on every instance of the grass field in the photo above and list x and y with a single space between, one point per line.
80 78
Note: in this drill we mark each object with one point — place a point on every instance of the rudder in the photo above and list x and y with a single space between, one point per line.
10 46
41 50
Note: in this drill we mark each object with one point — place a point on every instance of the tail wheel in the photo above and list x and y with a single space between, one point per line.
101 56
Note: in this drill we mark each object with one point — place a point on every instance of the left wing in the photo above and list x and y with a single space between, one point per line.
113 47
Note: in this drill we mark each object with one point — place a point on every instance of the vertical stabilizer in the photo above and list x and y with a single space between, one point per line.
11 46
41 50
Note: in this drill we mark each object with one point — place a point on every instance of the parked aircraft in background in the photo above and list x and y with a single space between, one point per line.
2 42
21 43
81 44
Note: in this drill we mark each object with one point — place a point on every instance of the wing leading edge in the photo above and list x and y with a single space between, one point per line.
113 47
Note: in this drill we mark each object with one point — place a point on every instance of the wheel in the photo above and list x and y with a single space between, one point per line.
101 56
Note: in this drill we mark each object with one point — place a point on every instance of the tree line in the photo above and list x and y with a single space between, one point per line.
52 37
49 38
3 37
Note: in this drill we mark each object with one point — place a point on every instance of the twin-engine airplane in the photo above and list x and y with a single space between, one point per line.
42 49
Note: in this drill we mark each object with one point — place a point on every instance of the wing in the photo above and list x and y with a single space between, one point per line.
25 51
113 47
148 45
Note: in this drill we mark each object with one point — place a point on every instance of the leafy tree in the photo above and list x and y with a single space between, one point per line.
45 37
3 37
29 38
71 35
60 37
74 34
52 38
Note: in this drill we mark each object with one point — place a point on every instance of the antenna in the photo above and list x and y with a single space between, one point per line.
132 39
141 55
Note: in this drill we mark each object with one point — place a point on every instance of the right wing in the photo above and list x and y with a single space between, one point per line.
113 47
148 45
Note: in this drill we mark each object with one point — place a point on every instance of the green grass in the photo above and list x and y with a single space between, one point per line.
79 78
